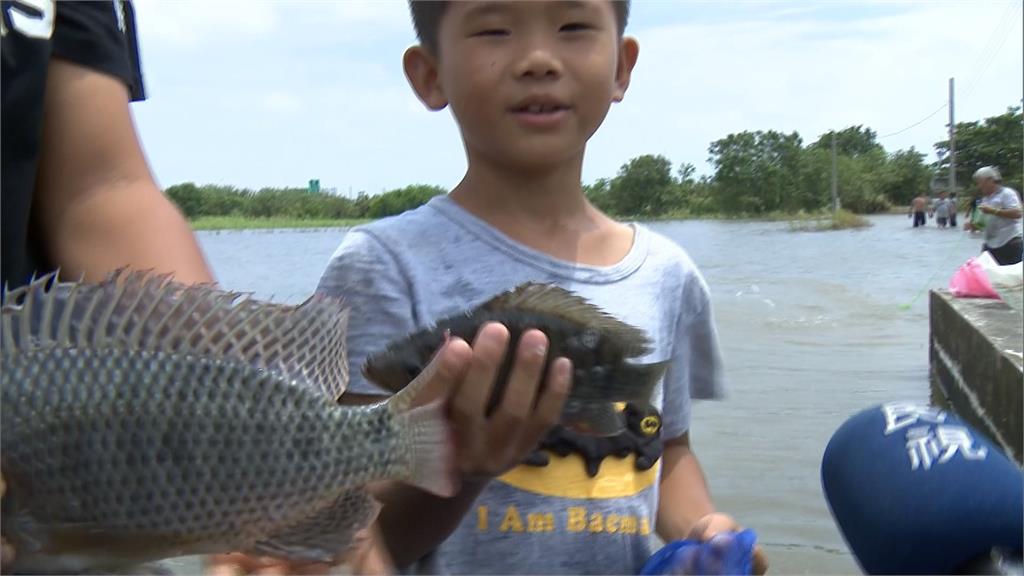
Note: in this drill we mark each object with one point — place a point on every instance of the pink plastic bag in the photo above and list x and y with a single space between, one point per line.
971 281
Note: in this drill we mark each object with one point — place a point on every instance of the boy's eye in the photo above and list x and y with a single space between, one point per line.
492 32
575 27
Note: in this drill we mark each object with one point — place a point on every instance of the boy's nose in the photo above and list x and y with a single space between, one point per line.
539 64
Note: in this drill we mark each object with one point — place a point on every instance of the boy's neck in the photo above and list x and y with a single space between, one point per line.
505 195
545 210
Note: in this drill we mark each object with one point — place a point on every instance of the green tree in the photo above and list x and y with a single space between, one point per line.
994 141
757 172
599 194
223 200
644 186
187 197
854 142
904 176
397 201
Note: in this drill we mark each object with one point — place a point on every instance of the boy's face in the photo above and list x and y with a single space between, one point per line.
529 82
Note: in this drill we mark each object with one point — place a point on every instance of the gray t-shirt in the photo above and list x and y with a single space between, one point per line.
403 273
942 208
999 230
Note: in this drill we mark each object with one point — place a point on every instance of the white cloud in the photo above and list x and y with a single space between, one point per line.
281 102
192 24
372 15
696 83
275 93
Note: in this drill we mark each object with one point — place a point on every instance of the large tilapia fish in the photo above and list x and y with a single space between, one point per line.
598 344
143 419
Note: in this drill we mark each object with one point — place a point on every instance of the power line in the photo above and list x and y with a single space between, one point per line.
992 48
915 124
995 45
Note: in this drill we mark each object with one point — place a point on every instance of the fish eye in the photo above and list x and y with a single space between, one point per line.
412 370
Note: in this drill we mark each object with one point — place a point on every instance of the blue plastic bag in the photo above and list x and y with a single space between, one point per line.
725 553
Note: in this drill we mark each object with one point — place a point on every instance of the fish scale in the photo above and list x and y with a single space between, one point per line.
173 442
121 446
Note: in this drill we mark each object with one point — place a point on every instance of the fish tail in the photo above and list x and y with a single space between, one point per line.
642 379
426 432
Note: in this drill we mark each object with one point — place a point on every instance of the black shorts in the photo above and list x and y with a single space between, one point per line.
1009 253
919 219
952 220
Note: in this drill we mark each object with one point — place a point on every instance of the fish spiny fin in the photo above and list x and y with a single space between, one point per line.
20 315
556 301
140 310
310 342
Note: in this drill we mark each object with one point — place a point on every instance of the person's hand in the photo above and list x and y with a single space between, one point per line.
987 209
366 556
715 523
6 550
489 445
236 564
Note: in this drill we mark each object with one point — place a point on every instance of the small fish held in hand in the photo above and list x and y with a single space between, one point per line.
598 345
143 419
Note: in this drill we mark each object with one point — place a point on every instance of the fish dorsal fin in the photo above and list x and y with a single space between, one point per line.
139 310
559 302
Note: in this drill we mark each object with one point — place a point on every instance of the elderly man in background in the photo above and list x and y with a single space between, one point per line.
1002 209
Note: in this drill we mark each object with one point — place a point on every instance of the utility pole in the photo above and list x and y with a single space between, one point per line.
952 143
835 176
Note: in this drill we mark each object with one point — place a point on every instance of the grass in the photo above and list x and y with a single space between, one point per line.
839 220
243 223
800 222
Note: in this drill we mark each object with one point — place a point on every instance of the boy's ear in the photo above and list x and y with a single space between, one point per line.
629 50
421 70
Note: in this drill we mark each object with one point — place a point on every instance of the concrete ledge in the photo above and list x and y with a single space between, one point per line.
976 366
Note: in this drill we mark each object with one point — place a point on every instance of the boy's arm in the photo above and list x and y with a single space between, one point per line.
684 491
685 508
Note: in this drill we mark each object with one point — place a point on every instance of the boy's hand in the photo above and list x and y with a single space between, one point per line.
715 523
532 402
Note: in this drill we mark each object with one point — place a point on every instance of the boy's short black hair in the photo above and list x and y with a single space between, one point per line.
427 14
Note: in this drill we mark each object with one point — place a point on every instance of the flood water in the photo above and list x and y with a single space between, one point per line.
815 326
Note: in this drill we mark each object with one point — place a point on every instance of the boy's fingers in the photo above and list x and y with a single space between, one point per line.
470 400
760 563
488 352
518 398
445 371
553 395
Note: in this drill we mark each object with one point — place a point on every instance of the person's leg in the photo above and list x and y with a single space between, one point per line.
1009 253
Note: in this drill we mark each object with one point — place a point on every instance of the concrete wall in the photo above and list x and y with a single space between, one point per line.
976 366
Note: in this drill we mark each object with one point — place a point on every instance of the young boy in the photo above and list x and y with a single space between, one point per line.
529 83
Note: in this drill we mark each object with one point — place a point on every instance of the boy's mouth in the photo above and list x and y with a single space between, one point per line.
540 108
539 105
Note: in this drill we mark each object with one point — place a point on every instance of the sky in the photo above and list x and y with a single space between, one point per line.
257 93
